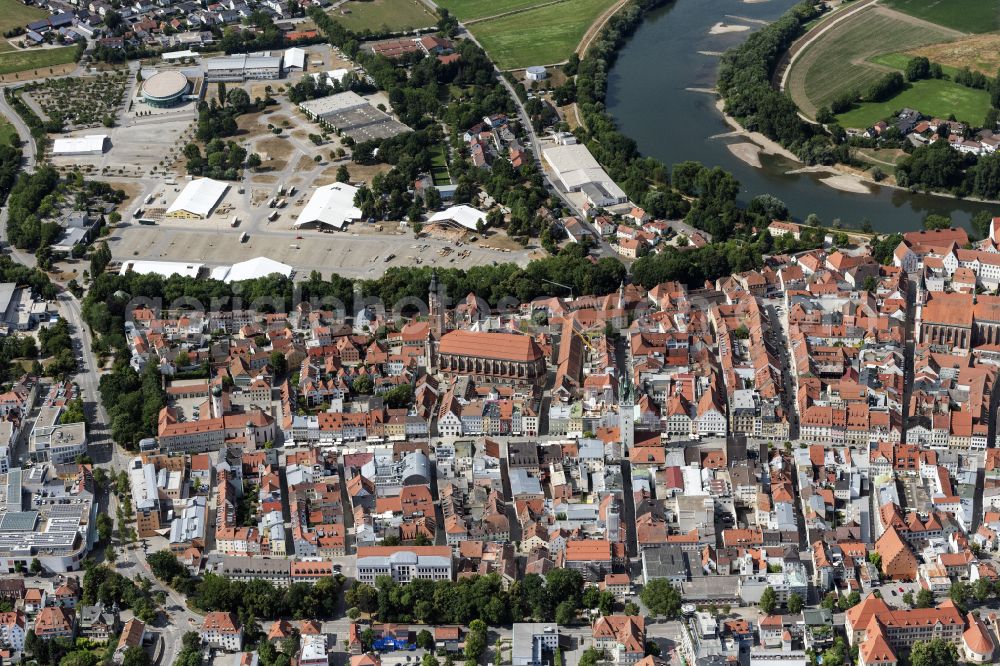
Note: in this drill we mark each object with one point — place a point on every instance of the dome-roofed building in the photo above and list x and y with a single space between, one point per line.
165 89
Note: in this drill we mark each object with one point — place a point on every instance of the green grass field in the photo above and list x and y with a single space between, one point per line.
6 132
933 97
839 60
475 9
439 167
540 36
899 60
14 13
382 15
964 15
20 61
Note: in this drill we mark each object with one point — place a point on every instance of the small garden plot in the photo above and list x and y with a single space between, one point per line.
80 102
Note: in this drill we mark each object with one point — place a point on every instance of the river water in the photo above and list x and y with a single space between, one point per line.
650 96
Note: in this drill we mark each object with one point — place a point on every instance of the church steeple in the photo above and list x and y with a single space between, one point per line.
435 310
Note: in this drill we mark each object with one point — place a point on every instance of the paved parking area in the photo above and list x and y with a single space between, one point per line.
344 253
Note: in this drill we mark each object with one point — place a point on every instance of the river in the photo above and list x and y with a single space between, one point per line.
650 96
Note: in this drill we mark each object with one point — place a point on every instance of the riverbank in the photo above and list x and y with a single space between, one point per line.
839 178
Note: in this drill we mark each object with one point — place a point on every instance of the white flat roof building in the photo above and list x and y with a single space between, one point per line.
332 205
243 67
331 104
197 199
333 74
464 216
142 479
92 144
164 268
295 58
251 270
576 168
178 55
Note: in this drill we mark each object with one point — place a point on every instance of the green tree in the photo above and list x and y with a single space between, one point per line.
934 221
343 175
982 589
36 566
590 657
661 598
279 364
363 385
935 652
794 604
425 641
768 601
850 601
981 223
136 655
925 598
959 593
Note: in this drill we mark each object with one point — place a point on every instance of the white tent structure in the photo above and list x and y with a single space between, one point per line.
332 205
251 270
91 144
164 268
197 199
463 216
295 58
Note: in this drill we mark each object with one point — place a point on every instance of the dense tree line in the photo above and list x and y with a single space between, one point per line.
133 402
32 199
885 87
745 84
106 586
261 600
559 596
937 166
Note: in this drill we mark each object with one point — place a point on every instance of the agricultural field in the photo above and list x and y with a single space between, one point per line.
840 59
35 59
543 35
964 15
979 53
466 10
932 97
384 15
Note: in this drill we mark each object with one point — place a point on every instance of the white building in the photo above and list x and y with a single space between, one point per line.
164 268
463 216
331 205
197 199
222 630
12 630
242 67
578 171
251 269
533 643
56 442
404 563
313 650
91 144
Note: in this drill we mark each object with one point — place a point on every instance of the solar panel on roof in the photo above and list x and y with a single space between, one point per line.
19 521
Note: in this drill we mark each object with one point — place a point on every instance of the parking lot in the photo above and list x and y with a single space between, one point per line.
350 254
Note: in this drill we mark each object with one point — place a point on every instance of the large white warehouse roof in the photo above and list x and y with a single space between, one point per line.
332 205
92 144
251 270
164 268
465 216
199 197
